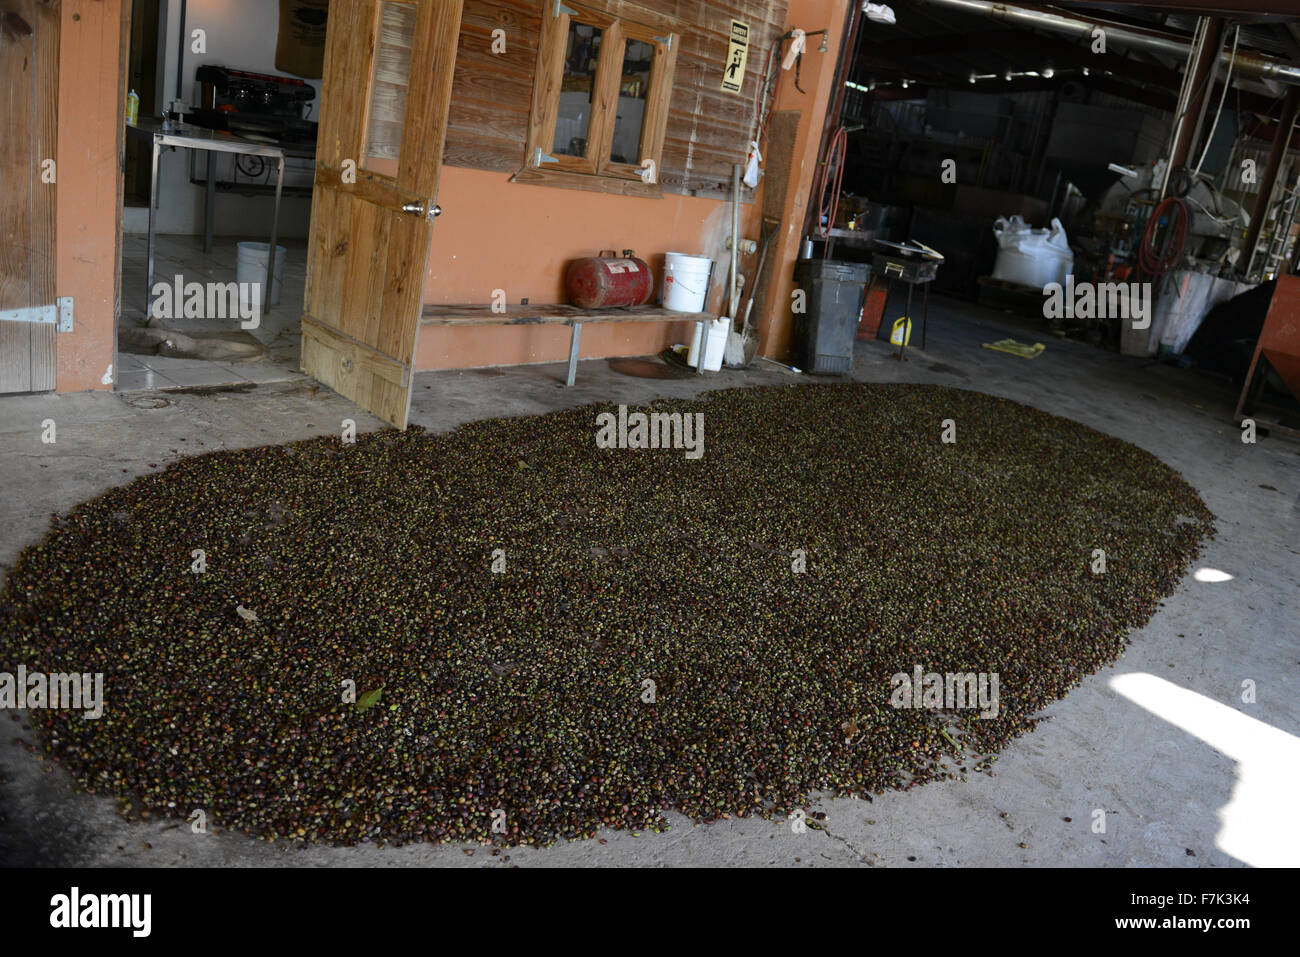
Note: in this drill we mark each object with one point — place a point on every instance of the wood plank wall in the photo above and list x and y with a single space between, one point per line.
708 130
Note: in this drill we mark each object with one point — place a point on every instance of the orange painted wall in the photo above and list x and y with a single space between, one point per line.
91 72
495 234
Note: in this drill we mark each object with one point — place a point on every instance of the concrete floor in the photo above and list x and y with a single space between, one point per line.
1186 773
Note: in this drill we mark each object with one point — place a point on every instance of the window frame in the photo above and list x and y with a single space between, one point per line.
596 170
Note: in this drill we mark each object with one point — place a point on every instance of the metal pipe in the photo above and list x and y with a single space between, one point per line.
1218 111
180 57
1204 72
1125 36
734 292
1198 77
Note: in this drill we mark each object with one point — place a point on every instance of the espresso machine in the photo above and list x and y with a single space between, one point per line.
255 106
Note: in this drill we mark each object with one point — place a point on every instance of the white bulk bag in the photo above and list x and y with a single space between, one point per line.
1031 257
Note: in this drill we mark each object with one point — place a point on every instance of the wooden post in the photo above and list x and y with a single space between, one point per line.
1204 70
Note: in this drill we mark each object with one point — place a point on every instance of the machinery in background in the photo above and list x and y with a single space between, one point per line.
255 106
261 108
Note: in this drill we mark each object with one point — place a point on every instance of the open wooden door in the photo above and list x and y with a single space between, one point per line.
387 85
29 313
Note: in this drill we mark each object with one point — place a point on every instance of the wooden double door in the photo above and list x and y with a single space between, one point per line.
384 101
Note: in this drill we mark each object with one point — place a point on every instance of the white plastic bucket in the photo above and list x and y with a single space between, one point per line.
717 345
252 269
686 282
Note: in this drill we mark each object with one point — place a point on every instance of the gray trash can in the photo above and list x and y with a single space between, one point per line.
825 333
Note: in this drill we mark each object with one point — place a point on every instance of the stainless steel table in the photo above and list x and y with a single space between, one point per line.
211 141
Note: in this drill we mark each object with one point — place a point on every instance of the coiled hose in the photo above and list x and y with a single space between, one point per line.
1156 261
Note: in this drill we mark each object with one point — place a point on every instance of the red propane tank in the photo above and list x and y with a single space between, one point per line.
608 280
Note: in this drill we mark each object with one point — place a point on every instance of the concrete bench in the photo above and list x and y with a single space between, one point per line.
570 316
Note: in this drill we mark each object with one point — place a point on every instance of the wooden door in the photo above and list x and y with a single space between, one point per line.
387 85
29 72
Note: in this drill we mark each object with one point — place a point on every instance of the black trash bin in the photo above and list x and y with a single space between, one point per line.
826 331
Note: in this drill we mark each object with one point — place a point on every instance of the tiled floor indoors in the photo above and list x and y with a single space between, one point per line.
184 256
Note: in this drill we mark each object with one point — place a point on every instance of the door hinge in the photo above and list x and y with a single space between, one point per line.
539 157
58 315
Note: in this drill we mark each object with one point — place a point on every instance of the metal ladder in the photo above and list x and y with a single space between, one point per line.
1279 238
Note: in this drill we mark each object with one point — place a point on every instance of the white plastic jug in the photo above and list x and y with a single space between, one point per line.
716 345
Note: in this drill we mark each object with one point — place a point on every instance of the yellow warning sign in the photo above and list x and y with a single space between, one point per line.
733 74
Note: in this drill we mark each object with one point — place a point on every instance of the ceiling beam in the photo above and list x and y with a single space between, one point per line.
1225 8
1267 131
944 44
1145 94
921 82
1016 50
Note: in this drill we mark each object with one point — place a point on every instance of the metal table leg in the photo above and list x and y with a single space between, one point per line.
925 315
1244 402
907 322
573 353
209 202
153 206
275 226
704 345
